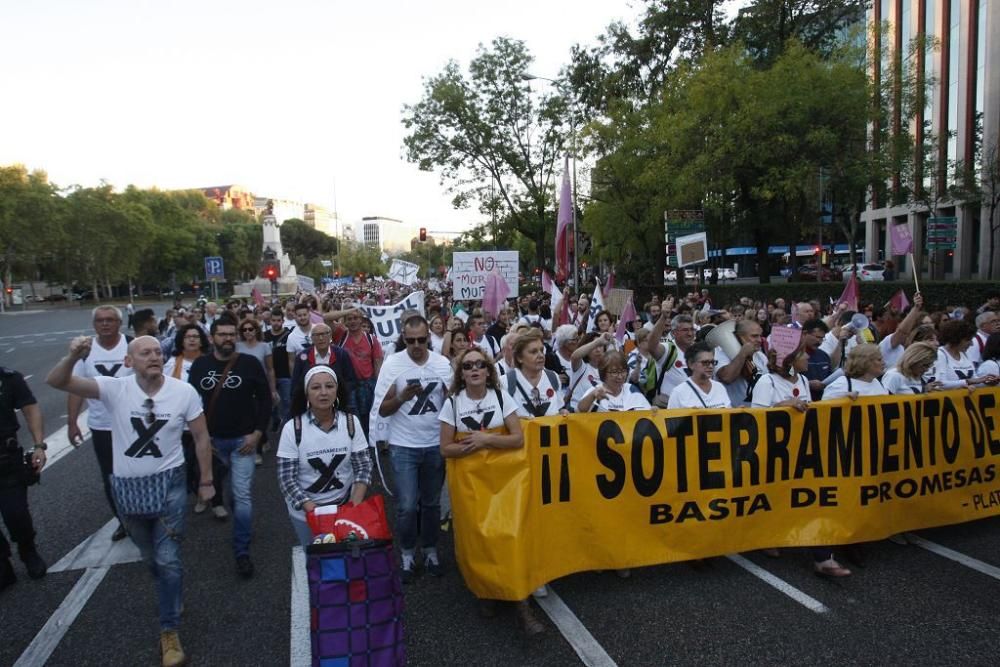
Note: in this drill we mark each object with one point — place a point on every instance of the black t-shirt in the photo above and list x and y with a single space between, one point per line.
244 402
14 395
279 352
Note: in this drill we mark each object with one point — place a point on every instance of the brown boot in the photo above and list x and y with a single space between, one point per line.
527 620
171 653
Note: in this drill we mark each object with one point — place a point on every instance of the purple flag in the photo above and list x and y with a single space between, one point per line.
628 315
850 295
900 239
564 221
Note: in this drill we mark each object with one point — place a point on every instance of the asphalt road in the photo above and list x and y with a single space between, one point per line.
908 606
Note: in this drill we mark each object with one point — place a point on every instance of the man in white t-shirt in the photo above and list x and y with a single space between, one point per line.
106 358
987 323
409 394
739 372
301 336
148 413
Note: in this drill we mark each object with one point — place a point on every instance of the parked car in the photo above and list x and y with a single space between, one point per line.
724 274
867 272
807 273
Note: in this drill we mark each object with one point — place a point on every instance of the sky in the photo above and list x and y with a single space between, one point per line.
299 100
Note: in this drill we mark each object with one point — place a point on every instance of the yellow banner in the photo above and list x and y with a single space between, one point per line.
627 489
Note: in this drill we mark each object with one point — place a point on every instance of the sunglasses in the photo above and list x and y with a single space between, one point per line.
250 329
469 365
708 362
416 340
150 417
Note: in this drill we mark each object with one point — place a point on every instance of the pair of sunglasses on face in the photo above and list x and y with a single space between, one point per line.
469 365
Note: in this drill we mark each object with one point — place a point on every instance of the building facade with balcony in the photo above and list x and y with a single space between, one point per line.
962 109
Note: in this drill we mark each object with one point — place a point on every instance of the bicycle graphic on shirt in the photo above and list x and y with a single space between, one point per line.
209 382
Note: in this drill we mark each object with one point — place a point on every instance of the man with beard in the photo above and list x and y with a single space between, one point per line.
237 401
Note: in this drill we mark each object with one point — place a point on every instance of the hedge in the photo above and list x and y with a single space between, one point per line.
937 295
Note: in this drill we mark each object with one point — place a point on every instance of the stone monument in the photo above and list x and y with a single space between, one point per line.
288 282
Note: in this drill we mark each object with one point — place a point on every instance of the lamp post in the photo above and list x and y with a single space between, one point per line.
572 131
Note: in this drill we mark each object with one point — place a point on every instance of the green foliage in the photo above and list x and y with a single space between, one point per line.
492 140
359 258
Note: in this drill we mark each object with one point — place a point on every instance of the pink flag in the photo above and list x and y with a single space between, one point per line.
850 295
899 302
496 293
315 318
258 298
628 315
546 282
564 220
610 285
900 239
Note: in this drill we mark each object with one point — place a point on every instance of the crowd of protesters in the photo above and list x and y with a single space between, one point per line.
188 406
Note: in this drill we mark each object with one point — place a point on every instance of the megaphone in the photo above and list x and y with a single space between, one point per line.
859 322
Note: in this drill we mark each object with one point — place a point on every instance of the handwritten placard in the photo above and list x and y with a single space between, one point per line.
469 271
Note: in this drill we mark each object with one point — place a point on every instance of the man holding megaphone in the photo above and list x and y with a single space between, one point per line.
741 361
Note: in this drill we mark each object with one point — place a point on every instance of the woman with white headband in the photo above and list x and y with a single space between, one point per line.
323 454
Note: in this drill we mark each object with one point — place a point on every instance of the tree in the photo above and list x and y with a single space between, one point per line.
30 220
488 131
766 26
990 197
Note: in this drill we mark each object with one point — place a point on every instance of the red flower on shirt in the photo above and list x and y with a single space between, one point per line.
679 364
550 393
795 391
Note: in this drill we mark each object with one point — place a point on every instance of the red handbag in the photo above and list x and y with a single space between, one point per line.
366 520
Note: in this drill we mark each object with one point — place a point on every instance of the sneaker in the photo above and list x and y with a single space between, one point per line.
34 563
830 568
220 512
171 653
541 592
200 507
7 576
120 534
244 566
408 571
526 618
433 567
258 460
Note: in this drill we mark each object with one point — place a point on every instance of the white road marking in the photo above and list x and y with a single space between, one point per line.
48 638
301 643
99 551
58 442
962 559
810 603
11 350
590 652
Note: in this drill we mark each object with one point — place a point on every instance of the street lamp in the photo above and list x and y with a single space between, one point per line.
572 131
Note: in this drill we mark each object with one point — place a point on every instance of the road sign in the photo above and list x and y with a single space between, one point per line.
680 223
214 269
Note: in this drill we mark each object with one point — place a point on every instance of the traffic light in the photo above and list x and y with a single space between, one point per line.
423 234
336 274
9 290
271 270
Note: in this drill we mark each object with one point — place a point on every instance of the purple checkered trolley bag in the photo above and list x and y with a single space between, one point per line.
356 602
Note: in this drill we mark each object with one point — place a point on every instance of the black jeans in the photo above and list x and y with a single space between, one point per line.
14 510
105 461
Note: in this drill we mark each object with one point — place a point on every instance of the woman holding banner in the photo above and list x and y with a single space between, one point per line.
700 390
535 389
907 377
990 364
786 386
954 367
861 374
479 415
585 359
613 394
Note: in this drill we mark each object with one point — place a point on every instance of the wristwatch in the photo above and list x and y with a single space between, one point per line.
41 445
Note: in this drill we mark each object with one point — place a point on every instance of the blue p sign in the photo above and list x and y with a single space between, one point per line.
214 268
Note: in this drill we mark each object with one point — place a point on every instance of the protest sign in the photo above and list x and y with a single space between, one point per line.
404 273
784 341
469 271
387 319
627 489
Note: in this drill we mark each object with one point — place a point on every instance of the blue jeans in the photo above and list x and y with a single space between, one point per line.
159 542
284 387
241 471
418 473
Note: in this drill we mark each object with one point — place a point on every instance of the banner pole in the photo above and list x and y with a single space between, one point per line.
915 270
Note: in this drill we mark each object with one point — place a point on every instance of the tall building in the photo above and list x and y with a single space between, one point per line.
321 219
962 108
389 235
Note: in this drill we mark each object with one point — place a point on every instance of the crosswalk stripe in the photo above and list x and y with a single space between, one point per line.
810 603
950 554
590 651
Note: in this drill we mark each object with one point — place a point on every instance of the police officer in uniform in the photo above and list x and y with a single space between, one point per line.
17 472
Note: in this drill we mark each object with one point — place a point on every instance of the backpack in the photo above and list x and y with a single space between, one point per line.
513 384
297 425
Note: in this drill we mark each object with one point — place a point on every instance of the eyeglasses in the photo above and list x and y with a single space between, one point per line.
416 340
192 336
320 334
618 371
150 416
248 329
469 365
708 362
106 320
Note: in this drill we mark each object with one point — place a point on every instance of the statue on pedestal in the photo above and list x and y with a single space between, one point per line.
272 240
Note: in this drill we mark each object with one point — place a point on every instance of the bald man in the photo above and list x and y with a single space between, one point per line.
148 413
